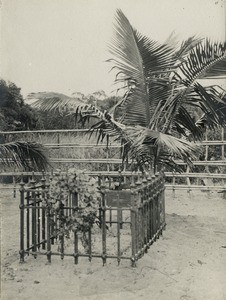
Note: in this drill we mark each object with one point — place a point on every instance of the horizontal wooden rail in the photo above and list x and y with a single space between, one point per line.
203 143
212 143
45 131
52 146
127 173
119 161
80 146
219 188
196 175
195 187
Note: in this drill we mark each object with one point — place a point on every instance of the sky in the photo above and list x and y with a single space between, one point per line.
62 45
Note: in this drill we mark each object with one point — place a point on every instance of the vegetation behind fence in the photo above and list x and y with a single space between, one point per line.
75 148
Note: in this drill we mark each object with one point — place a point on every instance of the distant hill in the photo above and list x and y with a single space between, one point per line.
47 95
98 95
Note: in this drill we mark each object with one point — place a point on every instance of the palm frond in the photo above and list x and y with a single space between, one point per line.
172 40
157 59
187 124
203 60
159 62
129 63
209 118
206 60
48 104
209 102
25 155
175 146
186 47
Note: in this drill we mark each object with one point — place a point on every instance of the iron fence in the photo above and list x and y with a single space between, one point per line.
129 220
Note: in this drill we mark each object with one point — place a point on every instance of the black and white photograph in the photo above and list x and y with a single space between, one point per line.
113 149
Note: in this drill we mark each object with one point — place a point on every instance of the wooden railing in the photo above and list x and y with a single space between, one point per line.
70 148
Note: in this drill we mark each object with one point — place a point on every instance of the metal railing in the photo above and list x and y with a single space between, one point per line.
140 215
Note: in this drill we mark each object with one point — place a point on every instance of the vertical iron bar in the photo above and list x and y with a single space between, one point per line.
22 220
34 220
133 223
222 149
118 234
14 187
74 201
61 231
143 219
152 211
90 243
148 217
43 181
110 217
103 211
163 199
48 237
75 248
139 224
38 223
154 205
28 220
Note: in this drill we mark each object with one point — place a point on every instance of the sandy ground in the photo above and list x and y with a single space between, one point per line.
188 262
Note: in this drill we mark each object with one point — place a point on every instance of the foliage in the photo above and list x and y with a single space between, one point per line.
63 119
24 155
58 120
75 184
154 120
14 113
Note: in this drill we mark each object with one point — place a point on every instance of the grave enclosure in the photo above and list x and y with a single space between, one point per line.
129 221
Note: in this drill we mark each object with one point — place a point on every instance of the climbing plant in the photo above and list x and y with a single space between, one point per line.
85 196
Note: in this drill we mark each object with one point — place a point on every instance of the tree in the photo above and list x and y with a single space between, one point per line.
162 89
14 112
15 115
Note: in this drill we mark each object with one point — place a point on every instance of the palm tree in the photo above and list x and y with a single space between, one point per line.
162 90
27 156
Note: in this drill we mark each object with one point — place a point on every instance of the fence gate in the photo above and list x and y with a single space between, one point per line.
127 223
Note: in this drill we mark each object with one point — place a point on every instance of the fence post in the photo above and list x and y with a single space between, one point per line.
34 219
222 151
163 200
48 253
119 211
22 220
14 186
43 181
28 219
158 201
133 224
188 179
149 190
74 201
153 203
61 215
174 182
103 220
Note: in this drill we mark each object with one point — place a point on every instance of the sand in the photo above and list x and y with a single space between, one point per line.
187 262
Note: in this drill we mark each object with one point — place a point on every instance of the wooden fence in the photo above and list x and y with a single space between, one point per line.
130 220
72 148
